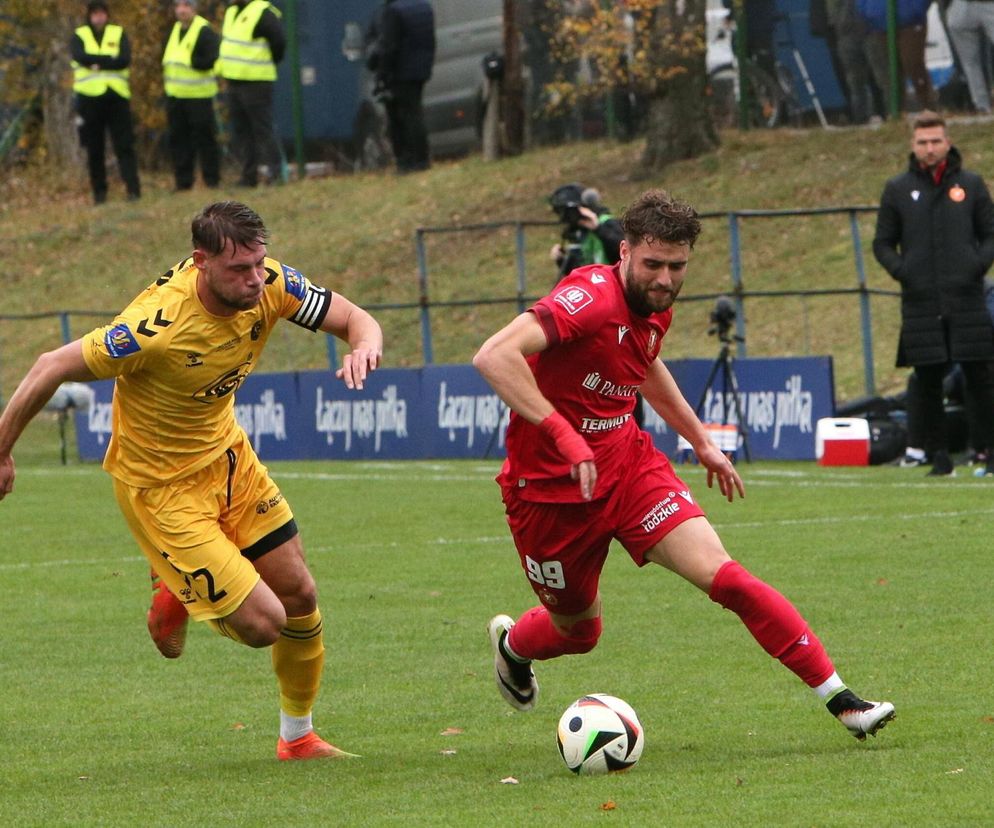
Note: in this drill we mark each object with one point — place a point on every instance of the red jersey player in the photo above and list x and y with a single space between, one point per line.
580 473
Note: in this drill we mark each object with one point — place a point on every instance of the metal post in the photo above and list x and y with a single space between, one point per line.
332 352
896 79
419 245
866 321
296 99
519 255
746 92
735 253
64 323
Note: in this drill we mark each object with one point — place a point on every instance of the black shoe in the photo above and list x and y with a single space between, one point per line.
942 466
861 718
134 196
515 679
99 198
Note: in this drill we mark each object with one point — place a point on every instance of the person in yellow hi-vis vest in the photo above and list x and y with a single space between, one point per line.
252 43
190 85
101 54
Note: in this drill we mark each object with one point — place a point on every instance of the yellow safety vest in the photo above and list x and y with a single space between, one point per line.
179 78
95 82
242 57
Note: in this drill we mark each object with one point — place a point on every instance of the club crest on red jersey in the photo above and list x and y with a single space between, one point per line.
573 299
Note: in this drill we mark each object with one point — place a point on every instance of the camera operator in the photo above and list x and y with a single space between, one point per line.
591 235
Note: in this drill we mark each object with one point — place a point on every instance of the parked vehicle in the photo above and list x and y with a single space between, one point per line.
339 108
465 32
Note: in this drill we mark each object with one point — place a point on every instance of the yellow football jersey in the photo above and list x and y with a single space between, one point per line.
177 367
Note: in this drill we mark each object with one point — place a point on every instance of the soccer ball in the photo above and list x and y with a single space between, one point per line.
600 734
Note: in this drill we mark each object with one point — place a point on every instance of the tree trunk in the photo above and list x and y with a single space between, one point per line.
61 133
512 86
679 124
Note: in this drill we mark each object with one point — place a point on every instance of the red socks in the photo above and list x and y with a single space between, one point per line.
771 618
534 636
773 622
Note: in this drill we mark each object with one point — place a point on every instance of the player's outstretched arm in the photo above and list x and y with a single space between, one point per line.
50 370
662 393
501 361
350 323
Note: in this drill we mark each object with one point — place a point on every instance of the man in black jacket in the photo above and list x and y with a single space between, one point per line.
402 57
935 236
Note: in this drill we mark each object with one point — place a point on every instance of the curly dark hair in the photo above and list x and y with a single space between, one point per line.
227 221
657 216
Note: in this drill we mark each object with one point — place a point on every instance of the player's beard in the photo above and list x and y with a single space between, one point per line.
239 304
645 300
233 301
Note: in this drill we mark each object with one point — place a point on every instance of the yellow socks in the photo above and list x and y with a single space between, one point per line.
298 659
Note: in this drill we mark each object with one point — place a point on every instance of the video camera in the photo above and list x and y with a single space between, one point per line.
565 202
722 316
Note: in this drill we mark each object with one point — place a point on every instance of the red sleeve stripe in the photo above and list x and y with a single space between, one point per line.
548 323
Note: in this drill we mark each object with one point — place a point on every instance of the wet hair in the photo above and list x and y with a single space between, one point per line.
227 221
657 216
926 119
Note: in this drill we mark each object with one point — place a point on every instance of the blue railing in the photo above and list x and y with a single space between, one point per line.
521 298
737 291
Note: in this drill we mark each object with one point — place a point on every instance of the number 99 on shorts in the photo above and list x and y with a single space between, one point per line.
548 573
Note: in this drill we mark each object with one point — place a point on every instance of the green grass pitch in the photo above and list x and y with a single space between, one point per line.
891 569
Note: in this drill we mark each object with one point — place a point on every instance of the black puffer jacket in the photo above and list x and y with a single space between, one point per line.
407 41
937 240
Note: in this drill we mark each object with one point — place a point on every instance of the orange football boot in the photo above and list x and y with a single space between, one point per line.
167 620
309 746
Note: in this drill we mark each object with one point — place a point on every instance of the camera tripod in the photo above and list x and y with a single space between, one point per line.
723 363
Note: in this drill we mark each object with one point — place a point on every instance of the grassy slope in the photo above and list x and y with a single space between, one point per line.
355 233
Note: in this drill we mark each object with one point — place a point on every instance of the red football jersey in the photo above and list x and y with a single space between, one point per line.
598 354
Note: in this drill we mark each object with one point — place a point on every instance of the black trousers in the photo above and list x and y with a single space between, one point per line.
932 411
253 137
102 114
406 126
193 135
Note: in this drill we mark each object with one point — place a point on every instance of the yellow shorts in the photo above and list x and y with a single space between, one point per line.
202 532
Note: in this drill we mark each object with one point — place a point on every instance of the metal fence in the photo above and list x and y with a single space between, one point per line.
522 297
734 219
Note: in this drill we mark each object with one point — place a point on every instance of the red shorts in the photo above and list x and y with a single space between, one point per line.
563 546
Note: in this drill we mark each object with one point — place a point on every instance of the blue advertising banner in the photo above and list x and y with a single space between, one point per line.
781 400
449 411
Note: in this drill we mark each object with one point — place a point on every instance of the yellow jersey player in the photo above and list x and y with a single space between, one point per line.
218 533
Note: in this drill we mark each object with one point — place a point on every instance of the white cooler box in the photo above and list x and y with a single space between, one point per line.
842 441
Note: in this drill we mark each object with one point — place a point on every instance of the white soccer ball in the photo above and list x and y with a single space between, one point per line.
600 734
